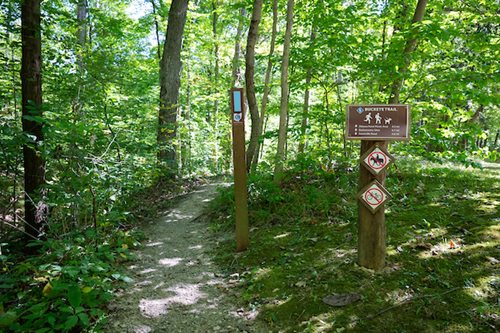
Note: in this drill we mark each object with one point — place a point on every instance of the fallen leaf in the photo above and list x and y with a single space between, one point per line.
47 289
301 284
86 290
493 261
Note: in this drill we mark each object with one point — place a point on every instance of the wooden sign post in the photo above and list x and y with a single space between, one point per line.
374 125
240 174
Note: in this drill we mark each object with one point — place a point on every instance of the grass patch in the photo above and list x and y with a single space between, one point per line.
442 238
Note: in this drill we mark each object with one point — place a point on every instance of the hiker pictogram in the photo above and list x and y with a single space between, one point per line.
368 118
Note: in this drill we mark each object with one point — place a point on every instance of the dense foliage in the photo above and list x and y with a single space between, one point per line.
100 81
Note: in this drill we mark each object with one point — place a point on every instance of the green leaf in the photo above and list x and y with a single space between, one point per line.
127 279
84 318
74 296
51 320
6 319
43 330
71 322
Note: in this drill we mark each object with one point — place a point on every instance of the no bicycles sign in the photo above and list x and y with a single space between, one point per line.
374 196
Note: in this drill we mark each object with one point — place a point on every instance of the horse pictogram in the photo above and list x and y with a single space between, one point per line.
377 159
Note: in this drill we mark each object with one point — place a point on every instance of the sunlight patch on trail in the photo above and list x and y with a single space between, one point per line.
175 216
154 244
170 262
147 270
185 294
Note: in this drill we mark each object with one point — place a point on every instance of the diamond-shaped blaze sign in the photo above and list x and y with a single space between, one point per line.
376 160
374 196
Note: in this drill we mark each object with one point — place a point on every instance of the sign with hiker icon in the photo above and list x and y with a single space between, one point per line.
378 122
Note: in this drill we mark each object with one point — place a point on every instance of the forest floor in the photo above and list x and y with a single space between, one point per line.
176 287
443 241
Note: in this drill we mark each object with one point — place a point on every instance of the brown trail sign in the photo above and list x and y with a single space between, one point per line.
374 125
240 174
378 122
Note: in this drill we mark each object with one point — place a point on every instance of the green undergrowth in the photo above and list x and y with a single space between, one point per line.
442 241
63 283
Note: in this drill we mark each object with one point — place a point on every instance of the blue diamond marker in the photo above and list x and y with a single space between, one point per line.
360 110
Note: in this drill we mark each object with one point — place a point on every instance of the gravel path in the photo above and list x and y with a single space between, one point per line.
176 287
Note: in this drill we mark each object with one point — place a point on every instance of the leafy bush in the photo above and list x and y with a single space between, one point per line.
66 288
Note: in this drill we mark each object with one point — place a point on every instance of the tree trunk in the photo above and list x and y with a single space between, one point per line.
235 73
170 68
411 45
267 88
305 108
475 117
327 129
278 169
31 81
186 163
215 18
81 16
253 32
157 30
399 25
235 79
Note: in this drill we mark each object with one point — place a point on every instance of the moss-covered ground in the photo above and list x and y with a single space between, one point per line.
443 236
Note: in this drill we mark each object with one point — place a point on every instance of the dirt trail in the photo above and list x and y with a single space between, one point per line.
176 287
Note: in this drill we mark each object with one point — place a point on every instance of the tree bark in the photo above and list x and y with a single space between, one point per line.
400 22
170 68
278 169
411 45
235 73
235 79
31 82
215 18
81 16
305 108
157 30
267 88
253 32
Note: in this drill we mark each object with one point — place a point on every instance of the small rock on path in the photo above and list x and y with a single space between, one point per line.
176 287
